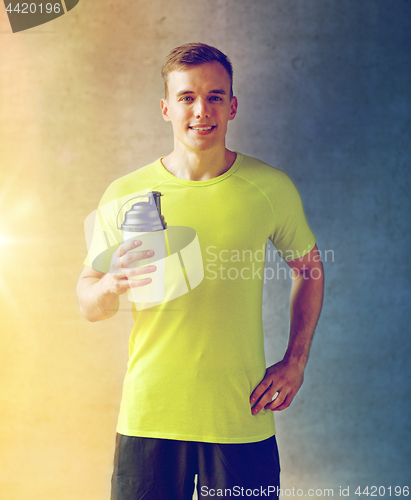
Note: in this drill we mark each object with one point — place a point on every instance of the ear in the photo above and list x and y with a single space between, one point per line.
233 110
164 110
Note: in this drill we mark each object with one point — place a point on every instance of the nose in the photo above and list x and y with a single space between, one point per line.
202 109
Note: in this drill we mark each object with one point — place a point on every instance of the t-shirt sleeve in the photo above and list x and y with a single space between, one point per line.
102 234
292 235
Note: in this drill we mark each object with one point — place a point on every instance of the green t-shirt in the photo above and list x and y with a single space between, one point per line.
196 356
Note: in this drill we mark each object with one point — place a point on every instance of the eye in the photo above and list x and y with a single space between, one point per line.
186 99
215 98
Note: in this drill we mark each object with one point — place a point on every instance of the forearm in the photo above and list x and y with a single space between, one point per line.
305 307
96 300
283 379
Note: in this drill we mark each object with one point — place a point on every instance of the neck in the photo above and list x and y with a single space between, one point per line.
199 166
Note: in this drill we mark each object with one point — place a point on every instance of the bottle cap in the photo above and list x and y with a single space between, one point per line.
145 216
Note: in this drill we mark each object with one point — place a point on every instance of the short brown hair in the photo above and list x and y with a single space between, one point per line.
194 54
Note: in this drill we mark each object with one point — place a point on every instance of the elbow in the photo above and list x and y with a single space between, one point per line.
87 314
95 314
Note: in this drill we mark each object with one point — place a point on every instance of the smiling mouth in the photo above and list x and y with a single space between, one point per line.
203 129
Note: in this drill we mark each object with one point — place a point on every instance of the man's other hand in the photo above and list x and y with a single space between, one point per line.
283 380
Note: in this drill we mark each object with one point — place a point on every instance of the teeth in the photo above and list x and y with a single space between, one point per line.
202 128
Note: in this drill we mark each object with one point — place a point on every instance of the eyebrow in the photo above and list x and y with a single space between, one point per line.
214 91
218 91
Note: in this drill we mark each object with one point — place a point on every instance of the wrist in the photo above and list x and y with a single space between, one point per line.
106 301
297 360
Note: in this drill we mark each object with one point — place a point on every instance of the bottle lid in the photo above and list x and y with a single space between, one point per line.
145 216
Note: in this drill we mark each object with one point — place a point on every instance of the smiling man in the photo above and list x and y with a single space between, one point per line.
199 104
197 397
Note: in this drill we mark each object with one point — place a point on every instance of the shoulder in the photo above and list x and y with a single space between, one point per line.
139 180
265 176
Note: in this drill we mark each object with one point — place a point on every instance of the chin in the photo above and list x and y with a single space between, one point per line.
201 146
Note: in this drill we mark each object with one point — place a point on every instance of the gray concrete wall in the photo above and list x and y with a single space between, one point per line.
324 93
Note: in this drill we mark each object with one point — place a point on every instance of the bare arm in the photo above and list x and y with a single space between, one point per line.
99 293
286 377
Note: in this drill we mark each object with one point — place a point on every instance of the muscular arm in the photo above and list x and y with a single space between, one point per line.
99 293
286 377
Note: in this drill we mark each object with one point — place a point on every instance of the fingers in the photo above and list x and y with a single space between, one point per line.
278 387
120 286
139 282
119 283
124 270
260 390
129 276
270 399
276 406
138 271
280 403
127 246
127 256
130 259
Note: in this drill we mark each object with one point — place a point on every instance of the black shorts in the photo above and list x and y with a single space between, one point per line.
165 469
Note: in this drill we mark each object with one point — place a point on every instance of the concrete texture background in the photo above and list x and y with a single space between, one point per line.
324 93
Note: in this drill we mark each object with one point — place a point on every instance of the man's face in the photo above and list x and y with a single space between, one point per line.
199 106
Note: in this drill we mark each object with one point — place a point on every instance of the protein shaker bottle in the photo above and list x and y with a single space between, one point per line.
144 222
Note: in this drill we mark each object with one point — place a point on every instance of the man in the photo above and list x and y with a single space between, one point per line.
197 397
